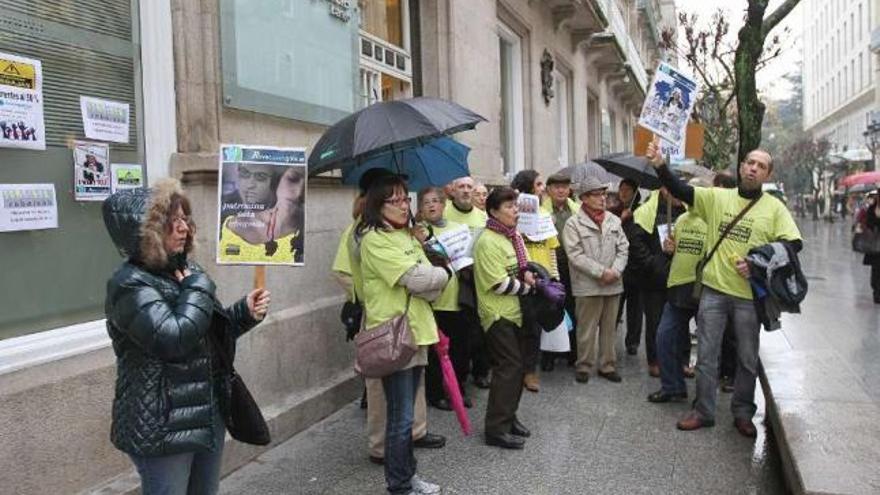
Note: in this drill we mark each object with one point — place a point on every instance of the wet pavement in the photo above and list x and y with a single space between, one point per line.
822 371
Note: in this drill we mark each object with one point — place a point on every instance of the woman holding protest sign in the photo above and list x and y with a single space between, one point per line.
172 338
446 309
399 280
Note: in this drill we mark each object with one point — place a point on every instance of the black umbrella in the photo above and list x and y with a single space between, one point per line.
384 126
633 167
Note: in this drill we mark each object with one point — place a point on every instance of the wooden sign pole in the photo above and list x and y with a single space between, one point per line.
260 277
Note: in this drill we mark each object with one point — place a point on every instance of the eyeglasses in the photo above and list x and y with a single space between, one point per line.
404 200
432 201
180 220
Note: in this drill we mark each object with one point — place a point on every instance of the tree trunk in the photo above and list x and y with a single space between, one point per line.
750 110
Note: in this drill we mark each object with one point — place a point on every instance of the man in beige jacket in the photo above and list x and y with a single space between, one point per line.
597 251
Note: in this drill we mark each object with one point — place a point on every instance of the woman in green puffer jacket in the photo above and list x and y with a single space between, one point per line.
162 316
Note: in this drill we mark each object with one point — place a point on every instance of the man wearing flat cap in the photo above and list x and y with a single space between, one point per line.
597 252
561 207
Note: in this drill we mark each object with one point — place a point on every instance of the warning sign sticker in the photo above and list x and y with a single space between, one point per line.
18 74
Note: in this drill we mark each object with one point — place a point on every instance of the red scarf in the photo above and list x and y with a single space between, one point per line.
519 247
597 216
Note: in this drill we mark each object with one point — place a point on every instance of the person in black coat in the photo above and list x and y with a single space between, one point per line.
649 268
164 320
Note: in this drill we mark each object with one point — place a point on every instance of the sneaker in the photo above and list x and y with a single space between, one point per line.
423 487
531 382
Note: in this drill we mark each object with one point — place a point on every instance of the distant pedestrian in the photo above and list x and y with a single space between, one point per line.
726 292
168 330
869 220
630 197
597 254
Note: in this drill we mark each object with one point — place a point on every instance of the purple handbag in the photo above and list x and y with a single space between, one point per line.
385 348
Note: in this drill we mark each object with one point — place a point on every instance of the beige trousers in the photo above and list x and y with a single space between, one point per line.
376 415
596 315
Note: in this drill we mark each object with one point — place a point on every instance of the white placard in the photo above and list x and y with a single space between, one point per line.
532 223
671 151
126 176
458 244
21 103
669 103
91 171
663 232
28 207
104 120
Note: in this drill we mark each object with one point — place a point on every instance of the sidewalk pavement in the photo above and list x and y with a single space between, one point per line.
821 372
595 438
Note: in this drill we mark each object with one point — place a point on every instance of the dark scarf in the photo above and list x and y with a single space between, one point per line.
597 216
519 247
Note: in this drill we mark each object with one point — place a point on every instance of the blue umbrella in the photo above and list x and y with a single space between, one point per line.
436 163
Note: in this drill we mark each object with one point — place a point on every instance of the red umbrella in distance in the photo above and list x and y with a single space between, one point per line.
450 383
861 178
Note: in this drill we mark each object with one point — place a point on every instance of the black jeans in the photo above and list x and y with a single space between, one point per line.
652 304
633 301
505 341
479 352
453 325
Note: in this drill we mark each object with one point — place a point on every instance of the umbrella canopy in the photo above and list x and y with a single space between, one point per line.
694 170
633 167
450 383
378 128
859 188
436 163
579 173
861 178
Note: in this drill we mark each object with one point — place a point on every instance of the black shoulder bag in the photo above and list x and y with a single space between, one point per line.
242 415
698 282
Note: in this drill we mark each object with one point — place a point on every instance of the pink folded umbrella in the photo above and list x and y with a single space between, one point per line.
450 383
861 178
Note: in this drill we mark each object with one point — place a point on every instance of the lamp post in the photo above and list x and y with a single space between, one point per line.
872 141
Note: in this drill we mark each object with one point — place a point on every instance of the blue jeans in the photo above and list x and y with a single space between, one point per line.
191 473
400 395
671 335
716 309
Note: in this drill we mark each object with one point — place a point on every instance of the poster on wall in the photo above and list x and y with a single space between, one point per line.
261 205
126 176
28 207
91 171
21 103
669 103
104 120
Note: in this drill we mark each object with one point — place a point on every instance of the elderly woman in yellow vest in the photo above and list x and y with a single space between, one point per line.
543 253
502 277
398 279
447 312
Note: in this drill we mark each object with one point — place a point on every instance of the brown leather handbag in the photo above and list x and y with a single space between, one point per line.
385 348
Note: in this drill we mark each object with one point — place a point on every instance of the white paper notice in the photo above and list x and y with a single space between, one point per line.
126 176
458 245
669 103
663 232
532 223
104 120
21 103
28 207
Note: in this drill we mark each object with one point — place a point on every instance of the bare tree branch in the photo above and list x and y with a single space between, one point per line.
776 17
